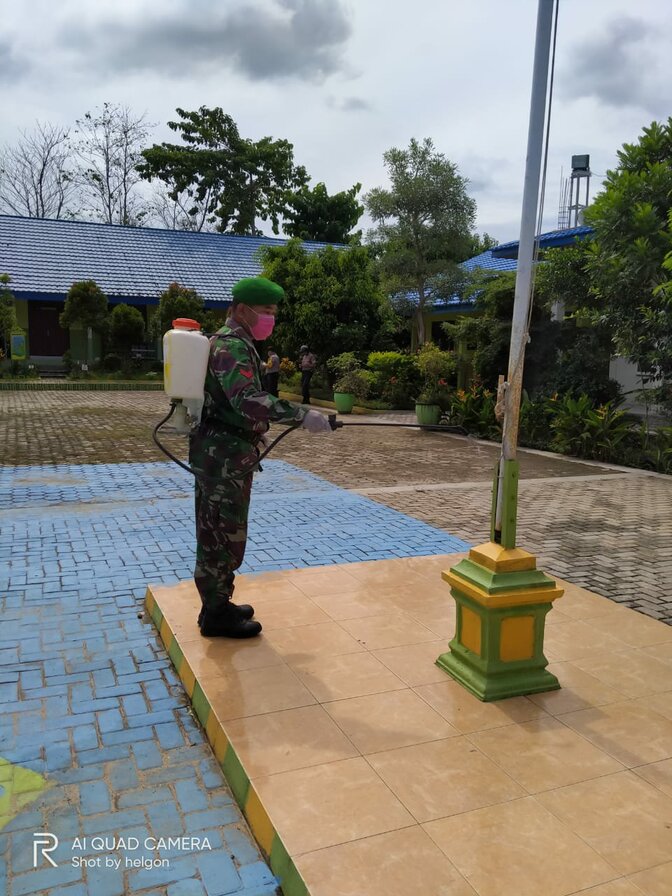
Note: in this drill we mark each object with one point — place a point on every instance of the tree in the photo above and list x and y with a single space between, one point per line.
424 222
487 333
7 313
85 306
176 301
109 152
630 280
126 327
333 301
179 211
479 243
36 175
315 215
219 177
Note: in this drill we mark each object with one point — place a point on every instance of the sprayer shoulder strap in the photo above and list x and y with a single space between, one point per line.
221 400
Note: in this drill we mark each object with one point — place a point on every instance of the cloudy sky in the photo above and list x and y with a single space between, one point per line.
345 80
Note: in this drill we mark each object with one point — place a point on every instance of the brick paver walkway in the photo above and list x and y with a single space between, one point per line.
578 517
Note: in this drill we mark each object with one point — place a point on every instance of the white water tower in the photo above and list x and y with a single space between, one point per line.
570 213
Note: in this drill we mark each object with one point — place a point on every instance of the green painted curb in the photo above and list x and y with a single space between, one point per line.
235 775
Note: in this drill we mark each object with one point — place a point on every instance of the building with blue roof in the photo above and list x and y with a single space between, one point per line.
500 259
134 265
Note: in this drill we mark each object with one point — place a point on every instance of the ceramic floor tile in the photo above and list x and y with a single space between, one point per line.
292 739
579 690
659 774
171 596
655 881
544 754
251 588
307 642
328 804
518 849
635 629
389 720
625 819
354 604
571 640
556 616
633 672
442 625
255 691
380 866
581 604
331 582
443 778
619 887
210 657
376 632
286 612
431 567
415 664
429 601
661 652
468 713
388 574
628 731
348 675
660 703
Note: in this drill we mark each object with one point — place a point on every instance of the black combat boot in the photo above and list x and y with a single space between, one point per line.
227 623
245 611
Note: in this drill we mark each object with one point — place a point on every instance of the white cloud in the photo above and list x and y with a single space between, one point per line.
344 80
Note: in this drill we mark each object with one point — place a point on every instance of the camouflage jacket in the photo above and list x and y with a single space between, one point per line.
235 400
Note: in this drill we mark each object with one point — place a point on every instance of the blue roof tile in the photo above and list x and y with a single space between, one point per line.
546 240
46 256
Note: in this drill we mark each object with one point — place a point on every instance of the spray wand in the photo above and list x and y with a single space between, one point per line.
250 468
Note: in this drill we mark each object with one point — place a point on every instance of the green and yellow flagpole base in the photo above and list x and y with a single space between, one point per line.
502 600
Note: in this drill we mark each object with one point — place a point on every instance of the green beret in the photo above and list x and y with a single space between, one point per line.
257 291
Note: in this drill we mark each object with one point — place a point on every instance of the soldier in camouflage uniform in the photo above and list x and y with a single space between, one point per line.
236 414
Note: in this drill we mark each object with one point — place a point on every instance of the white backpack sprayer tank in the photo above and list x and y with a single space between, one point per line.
185 363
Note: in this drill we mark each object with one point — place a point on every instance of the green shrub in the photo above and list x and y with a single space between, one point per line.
535 422
341 364
395 377
292 383
111 363
355 382
475 411
584 430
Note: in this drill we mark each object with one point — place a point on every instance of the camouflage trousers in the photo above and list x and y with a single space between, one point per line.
221 515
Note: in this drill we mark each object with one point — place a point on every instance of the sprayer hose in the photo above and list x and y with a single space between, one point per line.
250 468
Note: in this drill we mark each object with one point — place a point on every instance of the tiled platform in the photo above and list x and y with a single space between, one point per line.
364 770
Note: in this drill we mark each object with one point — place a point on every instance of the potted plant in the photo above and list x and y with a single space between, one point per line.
436 366
351 382
427 407
351 386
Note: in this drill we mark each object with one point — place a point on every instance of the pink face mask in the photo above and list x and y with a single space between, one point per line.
263 326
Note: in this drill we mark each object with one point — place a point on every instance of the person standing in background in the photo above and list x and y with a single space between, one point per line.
272 372
307 362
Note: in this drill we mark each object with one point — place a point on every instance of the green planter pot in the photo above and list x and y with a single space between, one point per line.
344 401
428 414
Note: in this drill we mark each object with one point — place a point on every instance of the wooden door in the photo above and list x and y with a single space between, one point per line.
46 336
